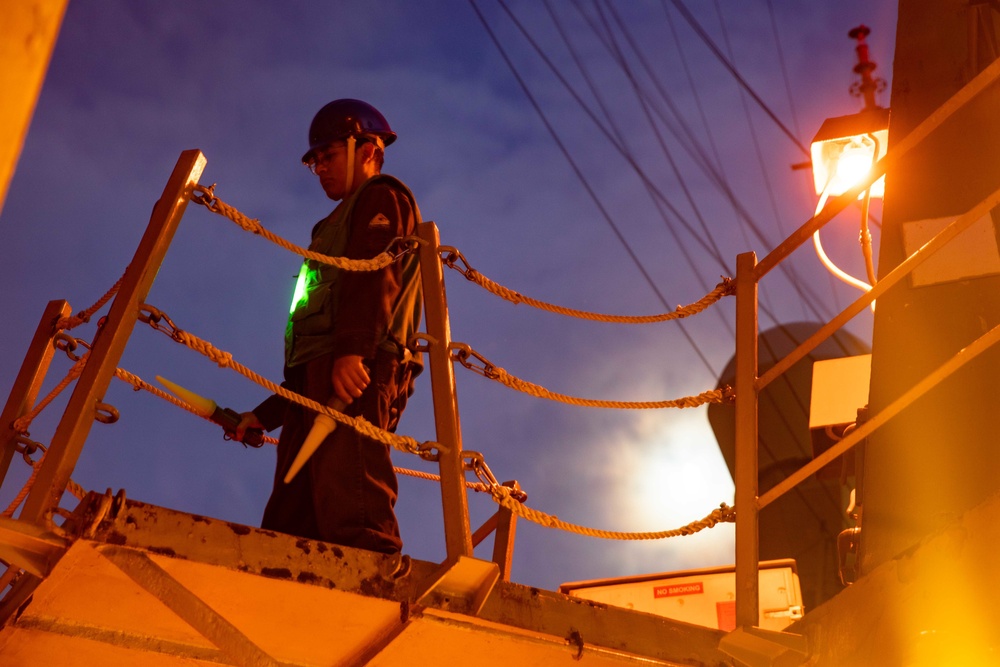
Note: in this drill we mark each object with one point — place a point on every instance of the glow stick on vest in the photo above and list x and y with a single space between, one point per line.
322 426
300 288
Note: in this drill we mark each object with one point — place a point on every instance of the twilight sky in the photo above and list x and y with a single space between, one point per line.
132 84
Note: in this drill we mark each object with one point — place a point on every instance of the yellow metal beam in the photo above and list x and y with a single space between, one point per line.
155 580
30 28
33 549
67 442
29 380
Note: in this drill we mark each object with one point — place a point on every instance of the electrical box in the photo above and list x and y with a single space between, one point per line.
839 390
702 597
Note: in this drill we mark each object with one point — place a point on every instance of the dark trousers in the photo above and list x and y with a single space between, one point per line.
346 492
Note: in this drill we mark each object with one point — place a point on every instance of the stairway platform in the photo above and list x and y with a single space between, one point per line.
136 584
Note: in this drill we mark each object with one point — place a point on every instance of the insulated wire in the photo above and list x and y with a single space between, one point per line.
586 185
784 68
622 151
803 289
764 442
620 57
771 198
765 343
623 63
732 70
617 131
583 180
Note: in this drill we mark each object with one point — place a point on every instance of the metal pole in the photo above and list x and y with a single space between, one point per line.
109 345
747 510
457 532
29 380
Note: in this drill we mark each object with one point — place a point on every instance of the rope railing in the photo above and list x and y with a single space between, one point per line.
140 384
206 197
451 257
502 496
157 320
462 352
66 323
511 499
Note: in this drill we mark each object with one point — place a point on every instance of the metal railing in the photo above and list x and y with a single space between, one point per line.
748 384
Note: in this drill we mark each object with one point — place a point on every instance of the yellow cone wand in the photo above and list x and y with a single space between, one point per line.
227 418
322 426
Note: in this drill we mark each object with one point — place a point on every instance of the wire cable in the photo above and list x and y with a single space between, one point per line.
583 180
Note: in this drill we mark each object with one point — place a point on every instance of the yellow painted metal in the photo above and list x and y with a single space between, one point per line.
72 431
192 609
30 28
29 380
462 584
747 511
943 372
503 541
754 647
904 269
30 548
458 534
305 603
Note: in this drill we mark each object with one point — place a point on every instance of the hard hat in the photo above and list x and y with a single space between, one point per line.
343 118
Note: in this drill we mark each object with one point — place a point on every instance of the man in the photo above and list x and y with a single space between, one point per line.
346 339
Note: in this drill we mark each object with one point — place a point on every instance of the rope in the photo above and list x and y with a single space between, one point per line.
462 352
78 491
216 205
501 494
725 288
713 396
138 383
22 423
361 425
84 315
429 476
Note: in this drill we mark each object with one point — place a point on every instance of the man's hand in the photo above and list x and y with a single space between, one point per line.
247 420
350 377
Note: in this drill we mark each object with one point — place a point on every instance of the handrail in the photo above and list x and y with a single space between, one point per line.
748 504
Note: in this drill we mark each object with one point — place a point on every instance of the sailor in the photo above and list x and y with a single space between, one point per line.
346 341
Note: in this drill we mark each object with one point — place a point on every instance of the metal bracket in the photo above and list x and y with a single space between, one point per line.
30 547
756 647
461 585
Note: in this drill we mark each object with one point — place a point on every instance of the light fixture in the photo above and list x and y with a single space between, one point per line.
844 151
845 148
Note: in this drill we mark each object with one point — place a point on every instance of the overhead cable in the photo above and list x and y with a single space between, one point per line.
583 180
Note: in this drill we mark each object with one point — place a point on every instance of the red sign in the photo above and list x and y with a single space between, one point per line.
672 590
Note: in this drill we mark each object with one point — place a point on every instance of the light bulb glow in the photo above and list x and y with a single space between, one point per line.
845 148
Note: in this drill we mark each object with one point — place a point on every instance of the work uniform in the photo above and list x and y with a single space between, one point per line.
346 492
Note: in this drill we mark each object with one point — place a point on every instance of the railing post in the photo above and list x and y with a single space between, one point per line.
747 510
29 380
457 532
70 435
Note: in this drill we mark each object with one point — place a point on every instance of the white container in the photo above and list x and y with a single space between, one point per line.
702 597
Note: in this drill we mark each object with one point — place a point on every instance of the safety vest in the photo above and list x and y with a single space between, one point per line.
313 316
